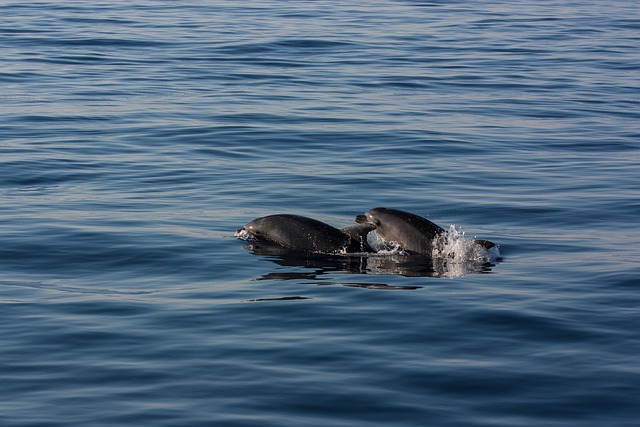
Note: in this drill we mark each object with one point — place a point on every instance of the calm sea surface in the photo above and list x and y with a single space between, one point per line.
137 136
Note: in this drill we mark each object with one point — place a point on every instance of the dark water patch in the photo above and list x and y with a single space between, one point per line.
379 286
49 172
531 327
309 43
71 251
290 298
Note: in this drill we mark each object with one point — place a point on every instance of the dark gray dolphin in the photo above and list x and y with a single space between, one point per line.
412 232
307 234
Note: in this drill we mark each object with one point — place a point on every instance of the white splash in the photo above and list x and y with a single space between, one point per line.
454 246
243 234
382 248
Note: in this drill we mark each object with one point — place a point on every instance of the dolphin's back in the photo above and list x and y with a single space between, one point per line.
299 233
412 232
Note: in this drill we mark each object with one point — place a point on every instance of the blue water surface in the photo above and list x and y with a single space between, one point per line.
136 137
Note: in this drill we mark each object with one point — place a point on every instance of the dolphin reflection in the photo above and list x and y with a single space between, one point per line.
361 263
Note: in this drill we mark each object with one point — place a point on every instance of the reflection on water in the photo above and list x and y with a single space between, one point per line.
364 263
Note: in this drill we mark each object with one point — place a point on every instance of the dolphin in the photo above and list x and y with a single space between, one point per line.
307 234
411 232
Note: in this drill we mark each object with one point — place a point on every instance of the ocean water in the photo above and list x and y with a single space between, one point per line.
136 137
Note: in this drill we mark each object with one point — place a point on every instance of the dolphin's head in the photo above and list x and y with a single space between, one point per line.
410 232
252 230
385 222
372 217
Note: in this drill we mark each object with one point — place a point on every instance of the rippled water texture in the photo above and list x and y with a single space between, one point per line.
136 137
